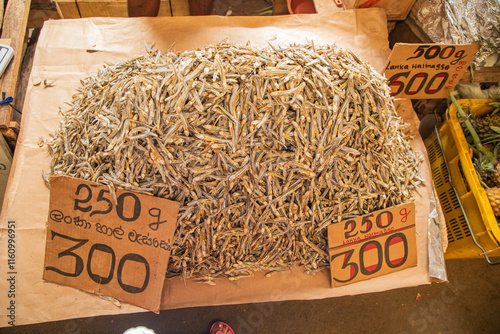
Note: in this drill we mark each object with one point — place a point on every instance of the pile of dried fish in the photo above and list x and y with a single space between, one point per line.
263 148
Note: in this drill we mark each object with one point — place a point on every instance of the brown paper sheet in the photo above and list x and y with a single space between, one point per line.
62 57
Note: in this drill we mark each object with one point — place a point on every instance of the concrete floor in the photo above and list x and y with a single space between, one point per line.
468 303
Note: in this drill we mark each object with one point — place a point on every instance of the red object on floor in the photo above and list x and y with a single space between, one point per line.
220 327
301 6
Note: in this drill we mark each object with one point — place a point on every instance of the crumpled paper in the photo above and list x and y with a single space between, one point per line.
461 22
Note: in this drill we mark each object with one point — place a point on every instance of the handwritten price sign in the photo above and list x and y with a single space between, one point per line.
117 245
427 71
372 245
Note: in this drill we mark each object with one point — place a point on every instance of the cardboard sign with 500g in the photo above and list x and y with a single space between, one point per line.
427 71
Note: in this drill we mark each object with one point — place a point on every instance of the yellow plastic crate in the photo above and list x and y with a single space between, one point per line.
476 233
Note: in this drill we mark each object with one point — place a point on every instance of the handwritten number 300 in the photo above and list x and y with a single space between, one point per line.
79 264
120 203
382 253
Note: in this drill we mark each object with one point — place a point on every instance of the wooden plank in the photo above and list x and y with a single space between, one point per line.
14 27
2 9
10 136
41 11
38 16
5 41
102 8
5 164
179 8
67 9
114 8
485 74
22 82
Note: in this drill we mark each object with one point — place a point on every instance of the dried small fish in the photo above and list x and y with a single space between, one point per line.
48 83
263 148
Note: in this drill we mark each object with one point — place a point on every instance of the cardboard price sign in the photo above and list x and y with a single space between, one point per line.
427 71
113 247
372 245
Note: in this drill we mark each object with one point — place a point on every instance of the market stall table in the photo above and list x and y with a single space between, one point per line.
69 50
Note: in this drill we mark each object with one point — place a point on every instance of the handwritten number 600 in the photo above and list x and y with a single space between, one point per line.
79 264
421 78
